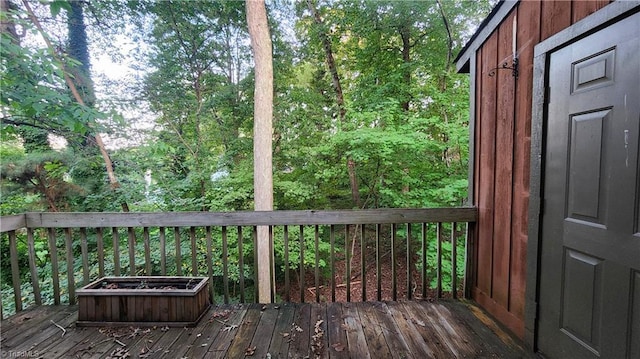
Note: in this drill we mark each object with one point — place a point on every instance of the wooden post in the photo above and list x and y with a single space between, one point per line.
262 137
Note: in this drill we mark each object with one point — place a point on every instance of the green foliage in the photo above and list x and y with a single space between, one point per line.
295 236
404 126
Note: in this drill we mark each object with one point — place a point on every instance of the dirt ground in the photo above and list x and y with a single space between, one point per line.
356 280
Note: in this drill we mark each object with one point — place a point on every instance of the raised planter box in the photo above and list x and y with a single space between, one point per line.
143 301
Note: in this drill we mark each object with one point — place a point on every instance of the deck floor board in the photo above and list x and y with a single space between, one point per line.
414 329
279 346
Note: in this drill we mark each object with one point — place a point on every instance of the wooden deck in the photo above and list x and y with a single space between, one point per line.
411 329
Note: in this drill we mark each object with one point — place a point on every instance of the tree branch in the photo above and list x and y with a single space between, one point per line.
103 151
449 36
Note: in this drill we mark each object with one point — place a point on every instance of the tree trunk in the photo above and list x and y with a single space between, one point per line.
337 88
6 25
78 49
443 81
262 136
405 34
331 63
353 181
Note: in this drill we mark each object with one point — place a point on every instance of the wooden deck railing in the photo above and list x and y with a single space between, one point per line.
76 248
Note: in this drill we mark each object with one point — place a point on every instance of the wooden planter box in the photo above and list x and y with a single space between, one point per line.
143 301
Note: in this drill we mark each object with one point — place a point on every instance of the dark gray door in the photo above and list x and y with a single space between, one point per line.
589 304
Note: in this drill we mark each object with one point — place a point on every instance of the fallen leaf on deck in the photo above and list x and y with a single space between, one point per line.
316 345
338 347
285 334
250 351
119 353
221 314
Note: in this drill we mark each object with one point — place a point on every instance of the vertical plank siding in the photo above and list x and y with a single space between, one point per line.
527 36
556 16
582 9
487 160
502 140
398 236
504 164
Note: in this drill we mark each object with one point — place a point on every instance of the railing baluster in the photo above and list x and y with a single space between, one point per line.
15 270
424 259
287 283
332 263
84 247
378 262
194 256
409 264
347 262
116 251
163 251
33 269
71 283
241 264
100 243
53 252
176 236
272 266
301 267
132 250
454 265
469 274
363 266
317 269
147 251
439 260
210 262
225 265
394 284
256 296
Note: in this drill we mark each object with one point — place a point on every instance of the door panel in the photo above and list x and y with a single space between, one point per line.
586 177
590 252
582 297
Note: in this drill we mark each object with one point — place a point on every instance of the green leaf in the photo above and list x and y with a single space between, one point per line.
57 5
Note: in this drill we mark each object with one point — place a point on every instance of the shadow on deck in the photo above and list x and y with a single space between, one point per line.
409 329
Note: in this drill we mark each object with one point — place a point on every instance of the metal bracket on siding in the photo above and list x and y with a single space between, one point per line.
505 66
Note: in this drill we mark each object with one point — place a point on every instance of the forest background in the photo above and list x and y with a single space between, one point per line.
368 111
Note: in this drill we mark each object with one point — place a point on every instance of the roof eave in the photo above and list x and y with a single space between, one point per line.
486 28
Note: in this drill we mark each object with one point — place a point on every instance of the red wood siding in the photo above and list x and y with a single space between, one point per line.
503 145
487 160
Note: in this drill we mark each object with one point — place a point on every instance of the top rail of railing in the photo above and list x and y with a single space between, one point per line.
239 218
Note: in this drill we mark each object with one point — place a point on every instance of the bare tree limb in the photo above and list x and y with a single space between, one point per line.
449 36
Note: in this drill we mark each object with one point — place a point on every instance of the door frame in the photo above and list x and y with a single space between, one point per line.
595 22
